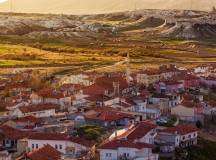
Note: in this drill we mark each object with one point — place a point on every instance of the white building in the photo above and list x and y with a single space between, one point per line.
39 110
188 134
62 142
125 149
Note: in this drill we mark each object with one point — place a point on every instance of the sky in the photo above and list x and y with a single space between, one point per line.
99 6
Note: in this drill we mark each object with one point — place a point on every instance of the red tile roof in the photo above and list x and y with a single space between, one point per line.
27 119
108 115
95 89
51 93
49 136
190 104
105 83
61 137
140 130
212 104
71 86
11 133
82 141
115 144
38 107
181 129
45 153
188 97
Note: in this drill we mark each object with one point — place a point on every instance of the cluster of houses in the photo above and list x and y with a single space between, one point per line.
145 115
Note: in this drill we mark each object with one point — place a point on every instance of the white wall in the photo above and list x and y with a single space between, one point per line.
45 113
41 143
108 154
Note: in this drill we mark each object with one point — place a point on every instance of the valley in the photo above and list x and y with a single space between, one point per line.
74 43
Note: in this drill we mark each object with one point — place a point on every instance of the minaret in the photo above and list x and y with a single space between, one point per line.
128 68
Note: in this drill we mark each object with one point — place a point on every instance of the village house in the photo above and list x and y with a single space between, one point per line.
169 86
125 149
107 117
143 132
18 88
80 79
188 134
24 122
165 101
167 142
209 81
52 96
4 154
153 76
188 111
71 89
109 86
201 69
123 104
10 137
47 152
39 110
67 145
188 80
134 142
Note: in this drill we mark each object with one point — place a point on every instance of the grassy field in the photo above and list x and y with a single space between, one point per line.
81 55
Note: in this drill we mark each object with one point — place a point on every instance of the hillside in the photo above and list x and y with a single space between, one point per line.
74 43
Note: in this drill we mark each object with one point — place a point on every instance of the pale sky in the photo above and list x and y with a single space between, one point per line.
99 6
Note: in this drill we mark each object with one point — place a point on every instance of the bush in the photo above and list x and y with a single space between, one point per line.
90 132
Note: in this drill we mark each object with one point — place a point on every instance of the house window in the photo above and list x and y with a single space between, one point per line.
7 142
60 146
56 146
126 154
108 154
36 146
194 134
183 137
32 146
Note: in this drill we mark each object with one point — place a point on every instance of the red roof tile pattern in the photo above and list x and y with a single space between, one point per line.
115 144
51 93
61 137
105 83
108 115
38 107
181 129
140 130
27 119
190 104
45 153
49 136
14 134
